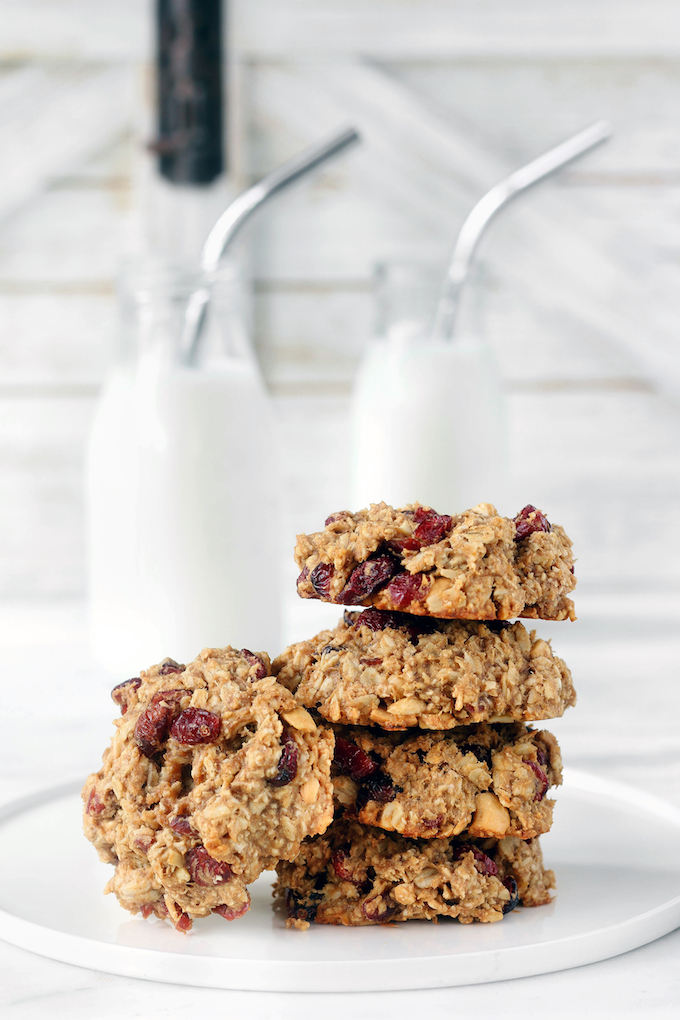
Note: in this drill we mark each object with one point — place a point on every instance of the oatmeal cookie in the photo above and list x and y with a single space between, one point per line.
215 773
472 566
396 671
488 780
354 875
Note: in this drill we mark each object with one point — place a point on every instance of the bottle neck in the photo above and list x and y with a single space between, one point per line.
153 299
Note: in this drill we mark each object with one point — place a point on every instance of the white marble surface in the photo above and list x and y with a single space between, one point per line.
55 717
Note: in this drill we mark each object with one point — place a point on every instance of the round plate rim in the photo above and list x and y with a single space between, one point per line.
480 966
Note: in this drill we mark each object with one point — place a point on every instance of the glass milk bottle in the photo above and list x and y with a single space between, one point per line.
428 416
182 487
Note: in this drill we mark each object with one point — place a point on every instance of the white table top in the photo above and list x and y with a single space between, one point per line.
55 720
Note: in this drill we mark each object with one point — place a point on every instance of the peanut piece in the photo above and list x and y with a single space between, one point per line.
310 790
437 720
541 649
392 816
345 790
380 717
490 817
407 706
427 878
404 893
174 860
479 775
300 719
288 828
434 601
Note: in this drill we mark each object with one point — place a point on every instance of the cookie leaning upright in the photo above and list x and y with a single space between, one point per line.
214 774
475 565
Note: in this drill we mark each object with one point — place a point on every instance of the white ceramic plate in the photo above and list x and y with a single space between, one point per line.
615 851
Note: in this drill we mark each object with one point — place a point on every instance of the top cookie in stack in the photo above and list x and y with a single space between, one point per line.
475 565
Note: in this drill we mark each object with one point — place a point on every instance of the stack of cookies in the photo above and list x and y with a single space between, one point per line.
384 768
439 783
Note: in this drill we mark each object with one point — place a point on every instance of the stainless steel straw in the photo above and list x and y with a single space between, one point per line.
233 218
487 207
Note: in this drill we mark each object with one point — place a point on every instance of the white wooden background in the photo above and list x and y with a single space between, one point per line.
578 289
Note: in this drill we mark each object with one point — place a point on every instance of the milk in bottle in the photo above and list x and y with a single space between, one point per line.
182 489
428 420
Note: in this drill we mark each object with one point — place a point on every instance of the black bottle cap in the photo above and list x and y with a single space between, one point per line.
189 69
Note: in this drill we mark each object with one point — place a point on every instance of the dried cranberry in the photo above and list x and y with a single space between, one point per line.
170 666
431 526
181 825
400 545
232 913
403 589
378 787
320 579
332 518
379 619
528 520
297 909
153 725
171 697
511 886
483 863
146 910
370 662
481 753
330 648
120 692
542 778
377 910
497 626
368 578
94 805
417 625
433 823
338 858
542 755
196 726
183 922
351 760
431 529
288 762
302 576
255 660
204 869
